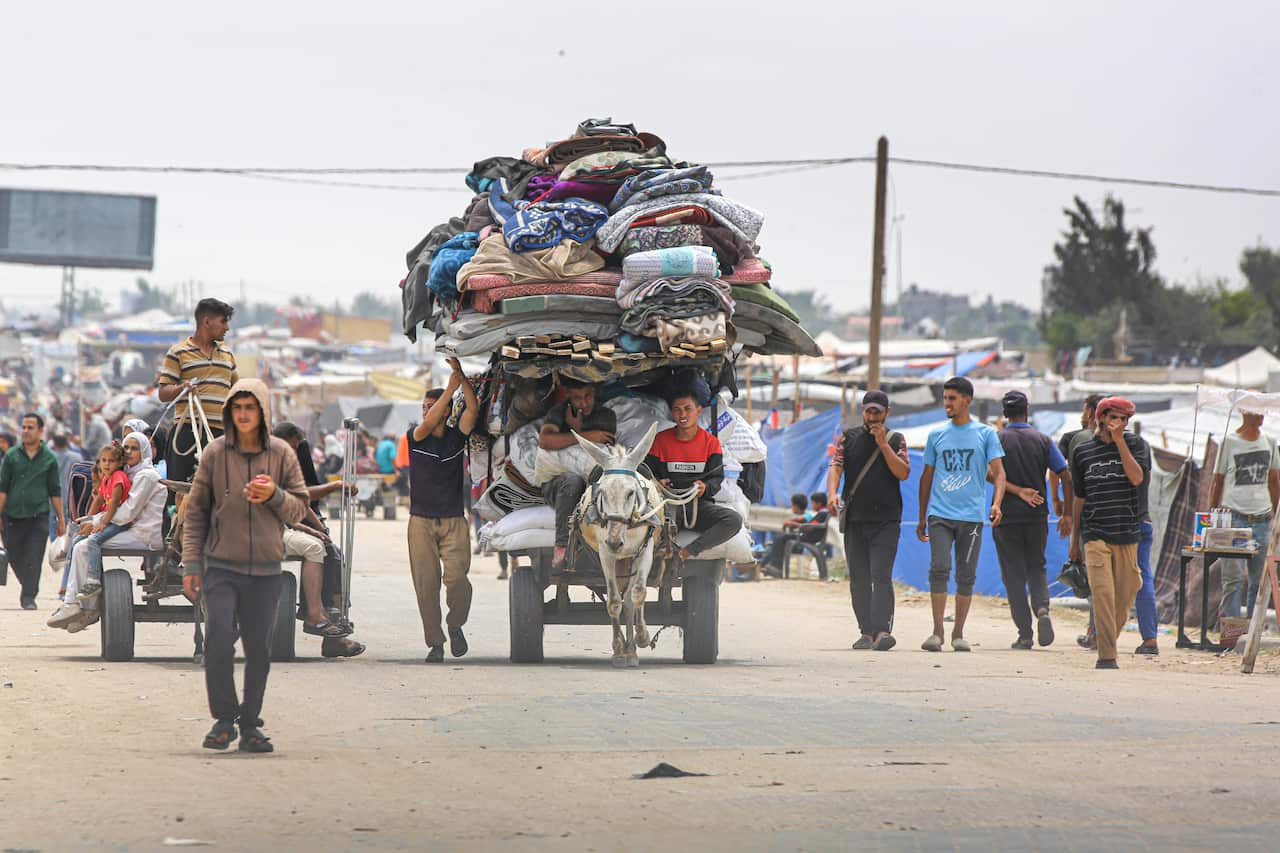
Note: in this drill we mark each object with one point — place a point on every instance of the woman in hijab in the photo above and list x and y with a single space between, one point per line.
142 511
334 453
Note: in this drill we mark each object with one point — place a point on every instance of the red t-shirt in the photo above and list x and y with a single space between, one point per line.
685 461
107 486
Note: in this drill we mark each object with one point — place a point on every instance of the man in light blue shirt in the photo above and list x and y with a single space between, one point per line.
958 458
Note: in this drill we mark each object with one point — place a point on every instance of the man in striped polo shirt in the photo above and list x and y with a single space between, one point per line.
203 365
1107 473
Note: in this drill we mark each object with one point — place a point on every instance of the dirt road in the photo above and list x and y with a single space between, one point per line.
807 745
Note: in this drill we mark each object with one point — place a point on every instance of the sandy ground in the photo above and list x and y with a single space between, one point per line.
807 744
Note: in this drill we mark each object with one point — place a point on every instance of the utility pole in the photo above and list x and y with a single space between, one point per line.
877 268
67 309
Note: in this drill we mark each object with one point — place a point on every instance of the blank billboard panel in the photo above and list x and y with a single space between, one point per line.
70 229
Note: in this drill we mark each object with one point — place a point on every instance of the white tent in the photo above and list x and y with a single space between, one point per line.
1248 371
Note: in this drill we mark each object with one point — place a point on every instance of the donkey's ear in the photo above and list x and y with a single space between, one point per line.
601 455
637 454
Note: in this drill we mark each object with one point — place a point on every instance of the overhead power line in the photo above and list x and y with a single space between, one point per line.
317 174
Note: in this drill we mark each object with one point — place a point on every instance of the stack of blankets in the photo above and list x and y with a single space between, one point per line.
600 237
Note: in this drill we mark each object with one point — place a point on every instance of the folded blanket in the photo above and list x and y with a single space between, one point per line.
656 183
648 238
488 300
544 225
505 496
781 335
687 214
569 304
744 221
562 153
664 288
614 166
749 271
702 329
442 280
659 263
567 260
594 326
606 277
692 304
762 295
600 193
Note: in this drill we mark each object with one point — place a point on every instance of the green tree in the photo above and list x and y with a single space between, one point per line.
1261 268
1100 263
370 304
815 312
89 302
150 296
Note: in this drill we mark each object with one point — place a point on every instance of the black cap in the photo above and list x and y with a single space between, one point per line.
876 398
1015 400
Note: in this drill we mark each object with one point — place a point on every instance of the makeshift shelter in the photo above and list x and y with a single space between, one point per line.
1250 370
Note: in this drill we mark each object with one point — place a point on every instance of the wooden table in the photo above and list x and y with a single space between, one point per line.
1208 555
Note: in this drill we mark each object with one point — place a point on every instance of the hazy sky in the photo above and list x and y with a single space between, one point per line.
1173 90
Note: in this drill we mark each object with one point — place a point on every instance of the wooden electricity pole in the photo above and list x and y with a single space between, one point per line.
877 268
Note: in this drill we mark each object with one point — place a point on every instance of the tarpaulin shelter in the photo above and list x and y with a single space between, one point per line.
798 458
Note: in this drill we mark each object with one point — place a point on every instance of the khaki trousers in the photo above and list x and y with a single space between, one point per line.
1114 581
440 549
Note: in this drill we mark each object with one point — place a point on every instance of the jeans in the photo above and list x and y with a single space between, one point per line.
1148 623
244 606
1236 583
25 540
870 548
1020 547
93 546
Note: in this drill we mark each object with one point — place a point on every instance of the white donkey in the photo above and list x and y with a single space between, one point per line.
620 516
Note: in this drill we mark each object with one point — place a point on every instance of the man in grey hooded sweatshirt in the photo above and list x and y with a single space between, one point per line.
247 488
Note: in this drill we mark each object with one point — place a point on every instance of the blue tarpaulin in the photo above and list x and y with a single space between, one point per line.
797 462
961 365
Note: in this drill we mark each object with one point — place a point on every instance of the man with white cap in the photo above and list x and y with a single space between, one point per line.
874 462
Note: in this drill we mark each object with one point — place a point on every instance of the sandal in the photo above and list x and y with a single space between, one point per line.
253 740
325 629
219 737
933 644
344 648
960 644
885 643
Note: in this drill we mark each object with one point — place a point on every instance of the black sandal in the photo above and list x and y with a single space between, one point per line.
253 740
220 736
326 629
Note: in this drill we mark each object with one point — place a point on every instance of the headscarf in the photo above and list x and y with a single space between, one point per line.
134 425
1119 405
333 447
144 449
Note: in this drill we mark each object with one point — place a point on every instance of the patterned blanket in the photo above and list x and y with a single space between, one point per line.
749 271
567 260
680 261
656 183
661 288
487 300
609 277
545 224
641 319
744 221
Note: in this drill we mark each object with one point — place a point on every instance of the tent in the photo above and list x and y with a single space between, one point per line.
797 462
1248 371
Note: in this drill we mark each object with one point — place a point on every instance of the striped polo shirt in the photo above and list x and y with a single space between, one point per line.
1113 507
212 375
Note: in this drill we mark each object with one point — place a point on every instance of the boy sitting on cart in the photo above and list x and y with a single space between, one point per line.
578 413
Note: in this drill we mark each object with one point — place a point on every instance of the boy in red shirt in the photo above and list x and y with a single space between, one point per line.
687 455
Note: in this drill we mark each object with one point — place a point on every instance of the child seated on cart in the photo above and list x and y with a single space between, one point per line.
100 523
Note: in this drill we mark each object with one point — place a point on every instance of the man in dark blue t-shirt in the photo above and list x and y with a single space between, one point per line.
439 536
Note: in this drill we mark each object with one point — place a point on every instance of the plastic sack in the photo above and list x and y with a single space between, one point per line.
533 518
523 540
731 496
524 449
636 414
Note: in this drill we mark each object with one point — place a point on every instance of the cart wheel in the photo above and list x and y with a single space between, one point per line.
283 635
702 619
525 597
116 602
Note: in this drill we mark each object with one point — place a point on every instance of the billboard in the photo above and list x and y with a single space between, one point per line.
73 229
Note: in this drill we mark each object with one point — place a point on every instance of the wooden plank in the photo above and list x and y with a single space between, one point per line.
579 357
582 345
510 352
526 340
542 339
605 347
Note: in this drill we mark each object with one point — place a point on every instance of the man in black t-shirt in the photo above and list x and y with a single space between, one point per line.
439 536
1021 537
872 512
579 413
1109 474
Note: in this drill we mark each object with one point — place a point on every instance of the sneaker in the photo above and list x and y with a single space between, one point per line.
1106 664
90 590
64 615
1044 628
1022 644
864 644
1144 649
87 618
457 642
960 644
436 654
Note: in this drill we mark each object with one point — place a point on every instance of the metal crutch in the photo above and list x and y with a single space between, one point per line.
347 509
